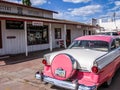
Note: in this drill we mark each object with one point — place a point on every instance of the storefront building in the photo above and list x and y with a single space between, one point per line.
25 29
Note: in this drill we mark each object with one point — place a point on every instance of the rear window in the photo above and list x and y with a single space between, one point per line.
87 44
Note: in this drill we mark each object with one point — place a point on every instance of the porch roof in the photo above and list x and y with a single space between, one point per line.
48 20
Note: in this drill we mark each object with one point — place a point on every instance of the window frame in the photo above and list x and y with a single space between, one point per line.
37 34
117 42
58 33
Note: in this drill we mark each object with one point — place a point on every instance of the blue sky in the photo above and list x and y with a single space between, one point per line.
78 10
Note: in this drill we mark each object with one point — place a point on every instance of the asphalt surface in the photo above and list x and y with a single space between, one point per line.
17 73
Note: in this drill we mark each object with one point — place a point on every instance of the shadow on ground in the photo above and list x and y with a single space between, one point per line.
13 59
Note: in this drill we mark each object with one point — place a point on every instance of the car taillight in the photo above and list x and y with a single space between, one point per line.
44 62
94 69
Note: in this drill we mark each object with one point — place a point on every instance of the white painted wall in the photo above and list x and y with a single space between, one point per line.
54 41
17 45
75 32
12 46
12 8
47 14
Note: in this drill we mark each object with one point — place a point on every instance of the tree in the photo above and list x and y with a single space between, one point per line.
26 2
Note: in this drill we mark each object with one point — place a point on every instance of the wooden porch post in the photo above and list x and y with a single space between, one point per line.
26 46
65 35
50 37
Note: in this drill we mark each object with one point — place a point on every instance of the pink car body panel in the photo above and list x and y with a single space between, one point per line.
96 37
87 78
90 78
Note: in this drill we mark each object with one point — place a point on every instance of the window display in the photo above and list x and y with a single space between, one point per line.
37 34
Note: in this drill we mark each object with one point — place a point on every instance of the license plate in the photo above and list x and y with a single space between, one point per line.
60 72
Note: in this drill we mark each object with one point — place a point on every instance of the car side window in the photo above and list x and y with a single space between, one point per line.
113 46
117 42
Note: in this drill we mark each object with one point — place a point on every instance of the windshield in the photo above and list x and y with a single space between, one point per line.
108 33
87 44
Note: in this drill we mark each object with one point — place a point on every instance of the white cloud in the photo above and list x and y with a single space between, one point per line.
59 15
38 2
34 2
117 3
15 1
77 1
62 15
85 11
67 16
79 14
116 7
111 14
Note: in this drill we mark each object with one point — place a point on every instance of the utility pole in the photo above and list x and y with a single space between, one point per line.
114 19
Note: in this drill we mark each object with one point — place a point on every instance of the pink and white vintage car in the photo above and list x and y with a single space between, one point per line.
88 62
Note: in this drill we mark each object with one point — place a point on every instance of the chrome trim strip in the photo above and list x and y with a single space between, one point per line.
59 83
64 84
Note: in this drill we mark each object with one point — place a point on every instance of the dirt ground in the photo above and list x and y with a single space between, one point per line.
17 73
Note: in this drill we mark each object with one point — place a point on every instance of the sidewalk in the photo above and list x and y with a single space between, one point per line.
18 72
18 58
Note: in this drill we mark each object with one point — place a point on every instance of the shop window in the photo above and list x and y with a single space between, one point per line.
37 34
57 33
14 25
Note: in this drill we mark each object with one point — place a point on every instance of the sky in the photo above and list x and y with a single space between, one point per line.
78 10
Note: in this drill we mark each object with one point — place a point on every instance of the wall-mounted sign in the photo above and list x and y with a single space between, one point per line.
5 8
14 25
78 26
37 23
11 37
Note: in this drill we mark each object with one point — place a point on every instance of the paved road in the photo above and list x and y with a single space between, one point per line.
20 76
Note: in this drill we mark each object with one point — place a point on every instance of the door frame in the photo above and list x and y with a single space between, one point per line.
0 35
68 37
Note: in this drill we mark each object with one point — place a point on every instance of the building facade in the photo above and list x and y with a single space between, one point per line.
25 29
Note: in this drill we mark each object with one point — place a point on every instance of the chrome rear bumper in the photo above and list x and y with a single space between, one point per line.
64 84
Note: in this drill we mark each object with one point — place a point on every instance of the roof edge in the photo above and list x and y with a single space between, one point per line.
27 6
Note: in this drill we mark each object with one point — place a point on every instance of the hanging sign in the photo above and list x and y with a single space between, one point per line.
78 26
37 23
